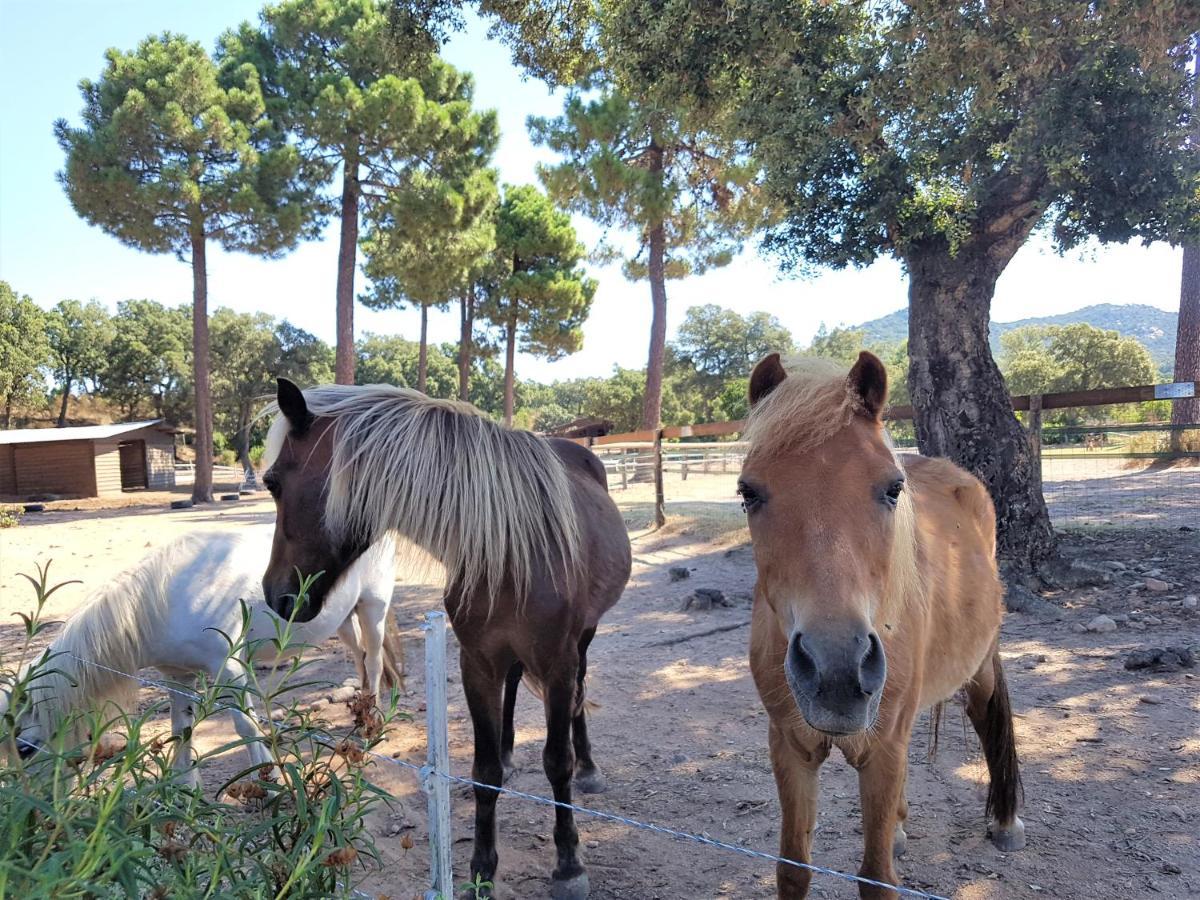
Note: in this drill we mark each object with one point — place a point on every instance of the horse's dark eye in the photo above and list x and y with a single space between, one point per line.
751 499
892 495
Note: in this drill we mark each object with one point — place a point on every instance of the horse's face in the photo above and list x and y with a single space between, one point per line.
822 521
298 480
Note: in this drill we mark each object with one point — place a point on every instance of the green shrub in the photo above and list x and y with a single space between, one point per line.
227 458
256 455
110 820
10 516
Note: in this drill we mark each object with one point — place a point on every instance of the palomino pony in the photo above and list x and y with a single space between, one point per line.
877 597
178 609
534 549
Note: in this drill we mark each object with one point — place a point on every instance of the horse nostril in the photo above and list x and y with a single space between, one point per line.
873 667
803 667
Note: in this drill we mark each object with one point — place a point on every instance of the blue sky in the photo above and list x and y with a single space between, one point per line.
46 251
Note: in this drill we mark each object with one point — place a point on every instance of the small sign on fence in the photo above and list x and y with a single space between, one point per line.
1180 390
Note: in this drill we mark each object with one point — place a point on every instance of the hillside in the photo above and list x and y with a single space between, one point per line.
1156 328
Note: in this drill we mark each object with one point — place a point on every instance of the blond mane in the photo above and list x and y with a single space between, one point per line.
487 502
805 410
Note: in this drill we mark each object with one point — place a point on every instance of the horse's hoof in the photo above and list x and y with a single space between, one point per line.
899 841
570 888
591 782
1010 838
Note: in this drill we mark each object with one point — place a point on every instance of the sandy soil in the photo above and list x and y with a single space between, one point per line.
1111 757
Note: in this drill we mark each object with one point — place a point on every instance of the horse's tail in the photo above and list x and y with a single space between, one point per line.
582 704
1000 749
87 665
394 665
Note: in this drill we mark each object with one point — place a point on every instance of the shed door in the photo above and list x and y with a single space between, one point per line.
133 465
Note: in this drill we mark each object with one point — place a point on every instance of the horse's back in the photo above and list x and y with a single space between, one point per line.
580 459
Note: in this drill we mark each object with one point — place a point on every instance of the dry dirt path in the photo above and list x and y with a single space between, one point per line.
1111 757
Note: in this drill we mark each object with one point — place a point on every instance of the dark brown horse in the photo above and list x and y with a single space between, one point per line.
534 550
877 597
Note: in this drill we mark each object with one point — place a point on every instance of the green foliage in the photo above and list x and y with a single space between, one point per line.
79 335
845 344
250 352
540 293
926 126
24 349
168 151
1046 359
637 167
390 359
111 818
10 516
555 42
149 357
617 398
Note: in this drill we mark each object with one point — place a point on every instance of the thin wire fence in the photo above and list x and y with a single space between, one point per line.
428 775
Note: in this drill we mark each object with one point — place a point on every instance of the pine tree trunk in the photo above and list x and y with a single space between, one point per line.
1187 341
8 410
347 256
652 404
243 437
465 328
510 353
62 411
202 487
423 352
961 406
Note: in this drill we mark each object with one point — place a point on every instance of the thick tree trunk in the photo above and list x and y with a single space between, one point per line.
510 354
202 487
347 256
243 437
961 406
423 352
652 404
466 327
8 410
62 410
1187 341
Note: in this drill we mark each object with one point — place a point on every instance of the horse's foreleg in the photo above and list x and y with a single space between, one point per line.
990 712
570 881
795 769
512 681
183 720
481 685
881 778
351 637
244 714
372 621
588 777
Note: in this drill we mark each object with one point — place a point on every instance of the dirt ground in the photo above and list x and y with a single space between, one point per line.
1111 757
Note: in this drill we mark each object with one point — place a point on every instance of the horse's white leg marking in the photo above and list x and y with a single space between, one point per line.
351 636
233 676
183 718
372 619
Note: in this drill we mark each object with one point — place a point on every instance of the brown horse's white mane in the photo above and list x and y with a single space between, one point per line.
805 410
489 503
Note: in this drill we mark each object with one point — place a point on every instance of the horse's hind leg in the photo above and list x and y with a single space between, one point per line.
900 839
570 881
508 736
183 719
991 713
588 777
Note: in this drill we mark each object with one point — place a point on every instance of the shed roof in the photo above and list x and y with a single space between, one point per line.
75 433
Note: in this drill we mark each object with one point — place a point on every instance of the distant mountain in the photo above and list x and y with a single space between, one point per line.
1156 328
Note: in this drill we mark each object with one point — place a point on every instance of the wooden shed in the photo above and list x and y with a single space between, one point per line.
87 461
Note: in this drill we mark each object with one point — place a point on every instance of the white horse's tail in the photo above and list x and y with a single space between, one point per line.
82 668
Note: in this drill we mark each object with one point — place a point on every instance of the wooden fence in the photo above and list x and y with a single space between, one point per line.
1035 404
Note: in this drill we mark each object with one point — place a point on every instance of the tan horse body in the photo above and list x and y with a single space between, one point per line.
877 598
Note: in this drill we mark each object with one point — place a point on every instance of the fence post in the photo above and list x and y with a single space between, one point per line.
437 789
660 508
1035 436
624 469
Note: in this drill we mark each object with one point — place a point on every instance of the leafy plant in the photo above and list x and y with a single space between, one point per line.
109 817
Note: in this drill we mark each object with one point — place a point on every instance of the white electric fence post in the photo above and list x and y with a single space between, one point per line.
437 788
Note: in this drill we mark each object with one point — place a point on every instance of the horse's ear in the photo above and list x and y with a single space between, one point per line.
767 376
293 405
868 379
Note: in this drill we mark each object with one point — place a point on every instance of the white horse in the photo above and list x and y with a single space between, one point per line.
178 609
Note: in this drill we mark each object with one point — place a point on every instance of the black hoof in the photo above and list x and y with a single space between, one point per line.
591 781
570 888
